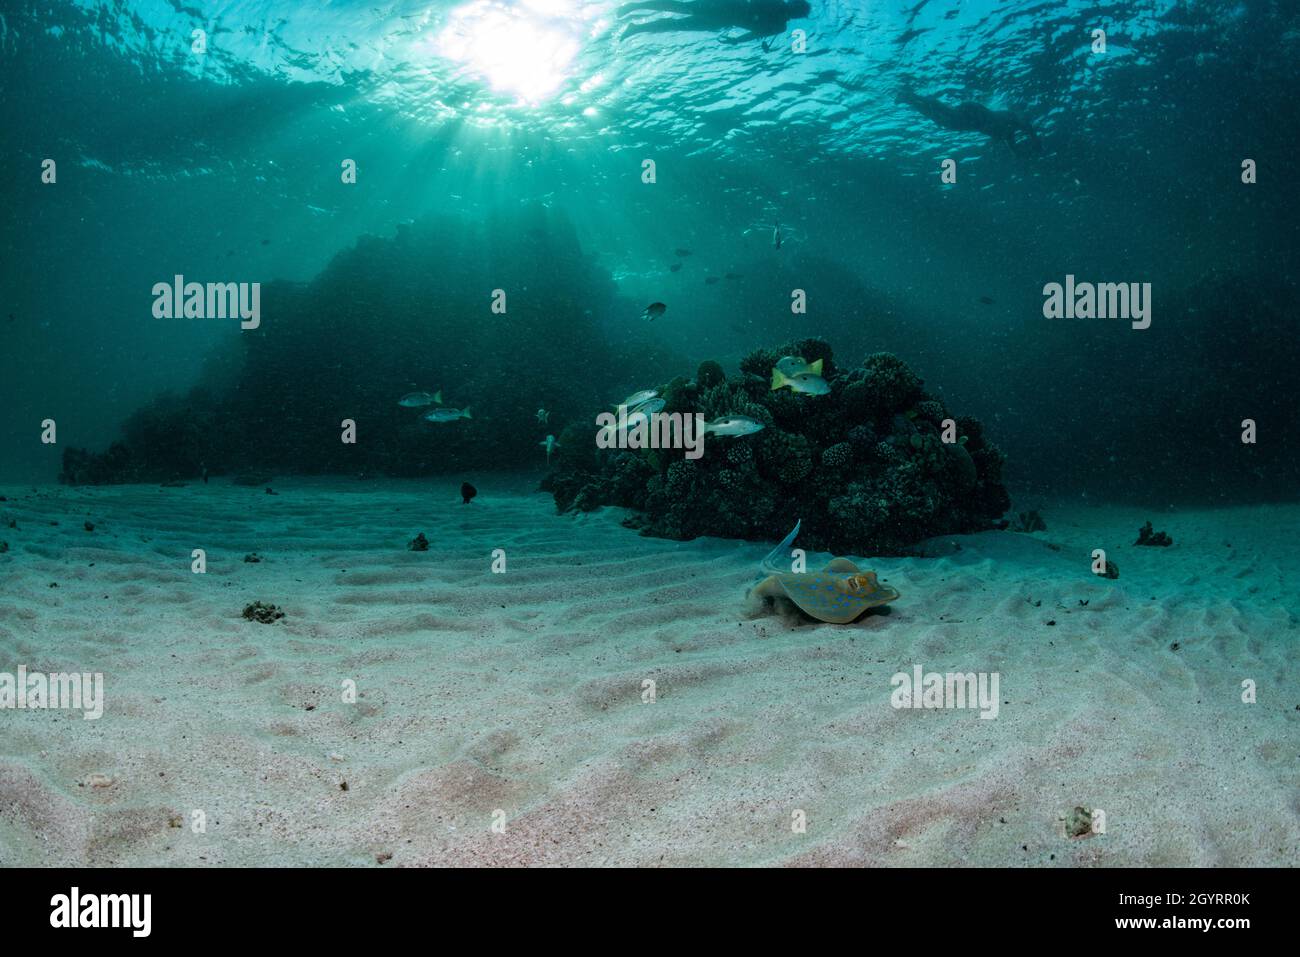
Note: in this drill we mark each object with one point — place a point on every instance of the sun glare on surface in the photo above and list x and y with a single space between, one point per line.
522 49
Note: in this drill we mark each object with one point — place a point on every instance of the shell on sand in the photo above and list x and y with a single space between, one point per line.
838 594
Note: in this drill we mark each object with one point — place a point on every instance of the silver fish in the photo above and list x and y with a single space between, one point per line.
551 446
733 425
650 406
447 414
636 398
418 400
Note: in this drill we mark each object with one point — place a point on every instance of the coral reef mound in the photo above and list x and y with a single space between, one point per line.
387 317
873 467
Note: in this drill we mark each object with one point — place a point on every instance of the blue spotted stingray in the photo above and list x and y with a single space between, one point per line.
837 594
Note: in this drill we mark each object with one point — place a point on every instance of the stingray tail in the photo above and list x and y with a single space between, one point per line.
778 559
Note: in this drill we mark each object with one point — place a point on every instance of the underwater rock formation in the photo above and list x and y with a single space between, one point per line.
864 467
384 318
1149 536
116 465
1078 822
263 612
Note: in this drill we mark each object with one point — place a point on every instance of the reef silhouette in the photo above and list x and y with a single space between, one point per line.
386 317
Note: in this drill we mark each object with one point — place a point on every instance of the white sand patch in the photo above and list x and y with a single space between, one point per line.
522 691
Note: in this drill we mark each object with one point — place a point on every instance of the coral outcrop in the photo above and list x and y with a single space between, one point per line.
872 467
263 612
1149 536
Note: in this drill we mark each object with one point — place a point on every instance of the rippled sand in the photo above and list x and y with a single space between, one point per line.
521 692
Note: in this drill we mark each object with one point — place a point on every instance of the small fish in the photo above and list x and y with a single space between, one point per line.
808 383
735 275
987 300
266 242
682 253
777 238
467 492
675 267
733 425
710 280
418 400
551 446
793 365
636 398
543 416
649 407
654 311
446 414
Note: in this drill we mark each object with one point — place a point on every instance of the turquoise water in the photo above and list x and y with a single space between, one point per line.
516 134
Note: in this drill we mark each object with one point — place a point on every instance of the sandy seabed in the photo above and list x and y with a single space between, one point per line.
522 692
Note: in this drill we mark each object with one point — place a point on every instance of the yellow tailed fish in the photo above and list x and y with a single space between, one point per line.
838 594
793 365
